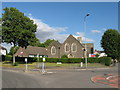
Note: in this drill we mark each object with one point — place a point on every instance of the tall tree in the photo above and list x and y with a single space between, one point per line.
13 50
110 43
119 47
35 43
0 30
47 43
17 29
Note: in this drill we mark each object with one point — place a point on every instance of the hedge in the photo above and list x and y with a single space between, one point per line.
6 58
106 60
103 60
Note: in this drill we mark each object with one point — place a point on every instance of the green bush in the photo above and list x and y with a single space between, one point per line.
93 60
97 55
64 60
106 60
103 60
15 64
64 56
6 58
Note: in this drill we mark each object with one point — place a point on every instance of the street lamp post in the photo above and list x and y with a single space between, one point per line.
85 50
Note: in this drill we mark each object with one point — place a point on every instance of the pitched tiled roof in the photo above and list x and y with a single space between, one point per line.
31 50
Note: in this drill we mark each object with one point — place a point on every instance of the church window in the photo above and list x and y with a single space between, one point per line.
53 50
67 47
74 47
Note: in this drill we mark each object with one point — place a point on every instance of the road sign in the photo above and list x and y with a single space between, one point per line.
25 59
26 64
43 59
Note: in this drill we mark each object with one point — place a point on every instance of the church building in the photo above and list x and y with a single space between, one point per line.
72 47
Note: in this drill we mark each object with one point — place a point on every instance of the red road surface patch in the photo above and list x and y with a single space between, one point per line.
109 79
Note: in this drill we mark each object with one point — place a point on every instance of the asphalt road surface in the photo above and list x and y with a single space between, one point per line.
56 79
18 80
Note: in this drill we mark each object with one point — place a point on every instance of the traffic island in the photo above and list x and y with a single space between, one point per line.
107 79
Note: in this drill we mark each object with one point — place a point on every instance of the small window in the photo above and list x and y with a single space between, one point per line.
31 56
74 47
67 47
53 50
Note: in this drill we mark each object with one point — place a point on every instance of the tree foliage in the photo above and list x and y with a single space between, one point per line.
35 43
13 50
17 29
47 43
110 43
0 30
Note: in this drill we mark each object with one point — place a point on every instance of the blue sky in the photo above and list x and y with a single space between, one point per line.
58 20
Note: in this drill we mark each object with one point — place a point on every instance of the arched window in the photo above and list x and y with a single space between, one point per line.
53 50
74 47
67 47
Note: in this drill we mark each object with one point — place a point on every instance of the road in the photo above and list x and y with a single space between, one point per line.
57 79
18 80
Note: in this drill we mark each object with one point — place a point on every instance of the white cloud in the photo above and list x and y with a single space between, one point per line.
95 31
104 29
7 46
45 31
81 34
84 39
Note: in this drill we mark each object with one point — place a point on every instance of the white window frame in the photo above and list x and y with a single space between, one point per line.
72 47
51 50
65 47
30 55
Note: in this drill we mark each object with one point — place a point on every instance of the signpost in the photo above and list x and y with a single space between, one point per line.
81 64
26 64
38 65
43 66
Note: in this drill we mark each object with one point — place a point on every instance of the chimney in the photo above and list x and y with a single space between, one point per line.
79 39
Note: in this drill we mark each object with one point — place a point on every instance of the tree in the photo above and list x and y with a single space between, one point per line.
119 48
35 43
110 44
17 29
97 55
47 43
13 50
0 30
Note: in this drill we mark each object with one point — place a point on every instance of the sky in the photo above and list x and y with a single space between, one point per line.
57 20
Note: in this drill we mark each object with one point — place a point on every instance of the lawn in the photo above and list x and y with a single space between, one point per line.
36 65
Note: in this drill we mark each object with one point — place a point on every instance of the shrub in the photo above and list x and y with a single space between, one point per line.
64 56
64 60
106 60
103 60
6 58
93 60
15 64
97 55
